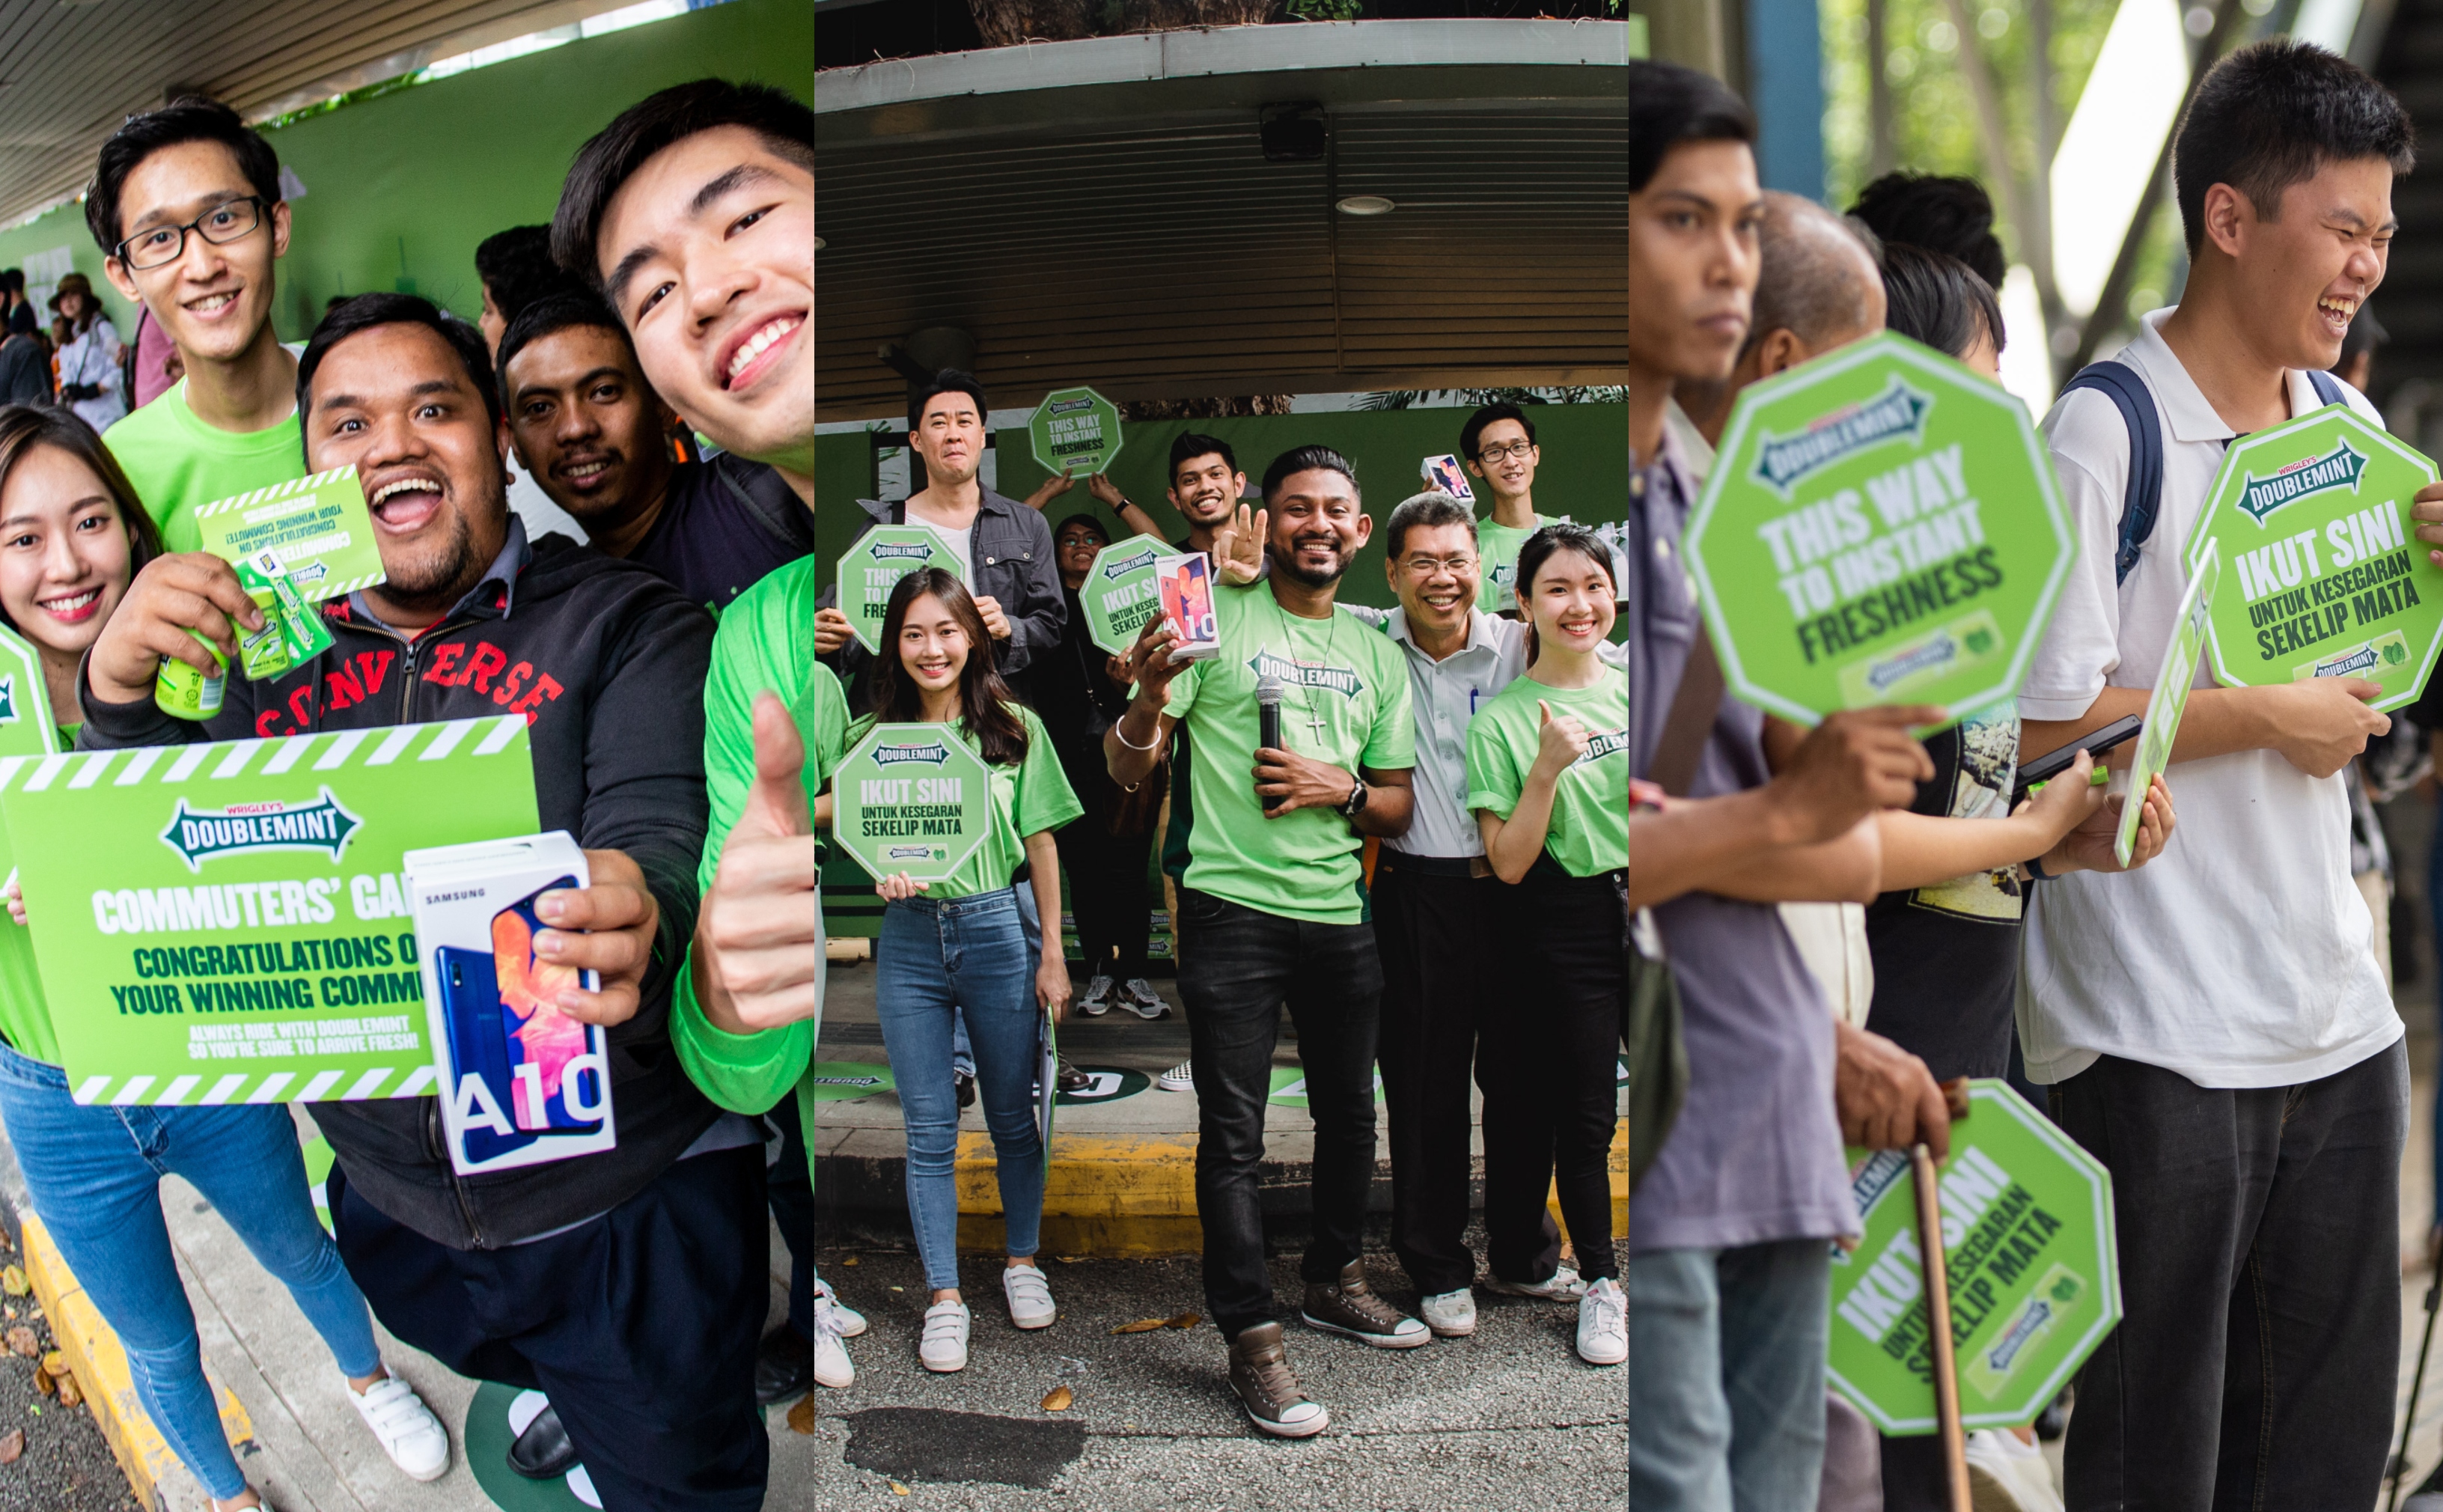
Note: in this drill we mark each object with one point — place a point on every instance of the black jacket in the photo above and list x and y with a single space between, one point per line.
1011 548
608 663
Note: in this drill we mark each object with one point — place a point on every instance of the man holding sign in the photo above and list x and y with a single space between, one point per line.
543 1275
2214 1027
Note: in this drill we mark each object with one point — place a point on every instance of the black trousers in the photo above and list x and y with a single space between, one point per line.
1238 969
1437 931
1107 878
790 1193
640 1325
1551 1103
2260 1340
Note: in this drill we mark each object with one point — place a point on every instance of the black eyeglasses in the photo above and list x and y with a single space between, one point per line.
1495 453
226 222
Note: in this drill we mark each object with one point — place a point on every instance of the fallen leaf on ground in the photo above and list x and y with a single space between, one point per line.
13 1445
55 1362
22 1341
1182 1320
70 1392
42 1381
12 1280
1143 1325
850 1260
801 1417
897 1489
1058 1399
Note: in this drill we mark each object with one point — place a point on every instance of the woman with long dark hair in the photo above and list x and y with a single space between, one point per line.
1548 769
972 946
72 537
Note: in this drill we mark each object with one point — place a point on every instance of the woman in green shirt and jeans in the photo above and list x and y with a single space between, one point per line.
972 945
1548 769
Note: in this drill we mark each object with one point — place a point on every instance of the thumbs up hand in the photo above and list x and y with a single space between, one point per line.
1560 740
758 960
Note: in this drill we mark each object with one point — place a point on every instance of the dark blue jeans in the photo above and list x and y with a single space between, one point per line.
1238 969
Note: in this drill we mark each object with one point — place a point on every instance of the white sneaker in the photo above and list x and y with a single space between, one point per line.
846 1320
1563 1285
1098 1000
945 1346
833 1368
404 1427
1450 1315
2005 1475
1181 1078
1139 998
1029 1295
1603 1324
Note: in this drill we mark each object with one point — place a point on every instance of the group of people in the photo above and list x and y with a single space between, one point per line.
2213 1026
630 1285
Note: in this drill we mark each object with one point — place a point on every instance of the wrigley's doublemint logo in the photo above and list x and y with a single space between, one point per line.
202 835
932 753
900 551
2339 468
1122 566
7 698
1604 743
1340 680
1897 413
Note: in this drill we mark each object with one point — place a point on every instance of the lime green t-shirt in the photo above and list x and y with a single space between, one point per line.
1028 798
25 1012
178 464
1589 834
1496 555
1346 703
766 643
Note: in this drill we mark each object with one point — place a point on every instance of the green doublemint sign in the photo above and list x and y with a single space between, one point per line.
2028 1238
1880 526
1076 430
2325 579
873 566
26 727
2170 698
1120 594
226 923
912 799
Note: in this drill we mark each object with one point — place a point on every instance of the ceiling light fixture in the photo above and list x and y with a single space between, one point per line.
1366 205
819 243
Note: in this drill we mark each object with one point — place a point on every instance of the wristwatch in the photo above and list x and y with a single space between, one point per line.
1354 803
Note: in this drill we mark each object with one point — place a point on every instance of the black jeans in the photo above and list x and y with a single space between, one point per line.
1237 967
1437 931
790 1193
1108 890
2260 1278
641 1324
1551 1103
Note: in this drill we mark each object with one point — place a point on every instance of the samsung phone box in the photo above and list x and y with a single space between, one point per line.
523 1083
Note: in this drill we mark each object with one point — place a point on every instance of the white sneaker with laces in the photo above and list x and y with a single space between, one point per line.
1138 996
1098 999
1450 1315
833 1368
1029 1295
1602 1323
1563 1285
944 1347
2005 1473
404 1427
1181 1078
846 1320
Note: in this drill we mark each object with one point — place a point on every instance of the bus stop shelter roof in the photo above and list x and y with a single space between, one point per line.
1103 211
74 70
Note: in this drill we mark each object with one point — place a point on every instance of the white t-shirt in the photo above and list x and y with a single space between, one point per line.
2243 955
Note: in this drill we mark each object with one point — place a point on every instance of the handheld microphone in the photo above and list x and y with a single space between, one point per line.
1268 718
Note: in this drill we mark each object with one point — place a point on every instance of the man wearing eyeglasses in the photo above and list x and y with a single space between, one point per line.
186 203
1435 906
1498 442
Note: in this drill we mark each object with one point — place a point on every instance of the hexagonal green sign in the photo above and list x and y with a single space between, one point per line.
875 564
1880 526
1119 594
1076 430
2035 1283
2321 576
26 727
912 799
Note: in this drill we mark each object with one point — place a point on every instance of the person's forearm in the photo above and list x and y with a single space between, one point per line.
1849 870
1138 521
1512 845
1134 744
2216 722
1388 809
1043 876
1920 850
1685 847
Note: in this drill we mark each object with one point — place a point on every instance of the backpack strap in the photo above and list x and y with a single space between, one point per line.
2143 497
2328 389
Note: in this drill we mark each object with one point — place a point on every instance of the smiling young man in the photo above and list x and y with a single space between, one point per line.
1498 442
185 201
2214 1029
592 431
630 1284
1269 912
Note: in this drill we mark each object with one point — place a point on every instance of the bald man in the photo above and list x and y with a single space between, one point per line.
1819 288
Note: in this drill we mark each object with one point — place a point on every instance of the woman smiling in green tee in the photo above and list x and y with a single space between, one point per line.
1548 768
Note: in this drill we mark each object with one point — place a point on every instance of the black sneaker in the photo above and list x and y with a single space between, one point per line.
784 1366
966 1085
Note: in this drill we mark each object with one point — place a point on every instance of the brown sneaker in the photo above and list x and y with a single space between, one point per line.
1260 1373
1349 1306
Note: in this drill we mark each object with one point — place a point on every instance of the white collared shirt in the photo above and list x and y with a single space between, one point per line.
1446 695
2243 955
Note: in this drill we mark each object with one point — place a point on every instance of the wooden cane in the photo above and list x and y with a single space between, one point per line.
1938 1318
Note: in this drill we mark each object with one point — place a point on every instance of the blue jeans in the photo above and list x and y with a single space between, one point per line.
1726 1376
95 1174
944 959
